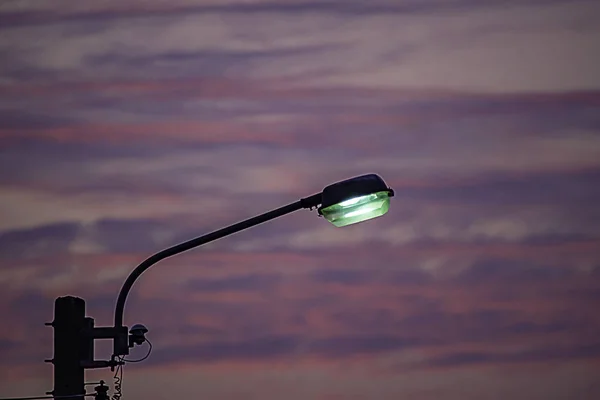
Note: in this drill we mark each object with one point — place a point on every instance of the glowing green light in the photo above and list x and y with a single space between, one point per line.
357 209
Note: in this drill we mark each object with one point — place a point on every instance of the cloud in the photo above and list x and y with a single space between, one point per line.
536 188
434 40
266 348
236 283
481 279
537 355
40 241
263 348
505 271
297 315
18 119
342 276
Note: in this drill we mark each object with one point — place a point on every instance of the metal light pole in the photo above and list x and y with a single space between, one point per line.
69 346
343 203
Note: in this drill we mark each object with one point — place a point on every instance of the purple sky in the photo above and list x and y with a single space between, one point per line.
128 126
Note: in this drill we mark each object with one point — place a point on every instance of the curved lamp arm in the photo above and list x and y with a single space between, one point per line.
120 343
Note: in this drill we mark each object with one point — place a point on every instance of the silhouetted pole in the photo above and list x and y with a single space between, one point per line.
69 322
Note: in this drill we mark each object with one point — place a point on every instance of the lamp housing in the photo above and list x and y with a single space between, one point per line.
355 200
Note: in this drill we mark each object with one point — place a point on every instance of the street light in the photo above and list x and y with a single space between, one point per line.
343 203
355 200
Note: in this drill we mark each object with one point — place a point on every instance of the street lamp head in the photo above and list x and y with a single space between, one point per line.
355 200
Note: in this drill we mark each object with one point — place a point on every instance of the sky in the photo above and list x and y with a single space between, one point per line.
128 126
